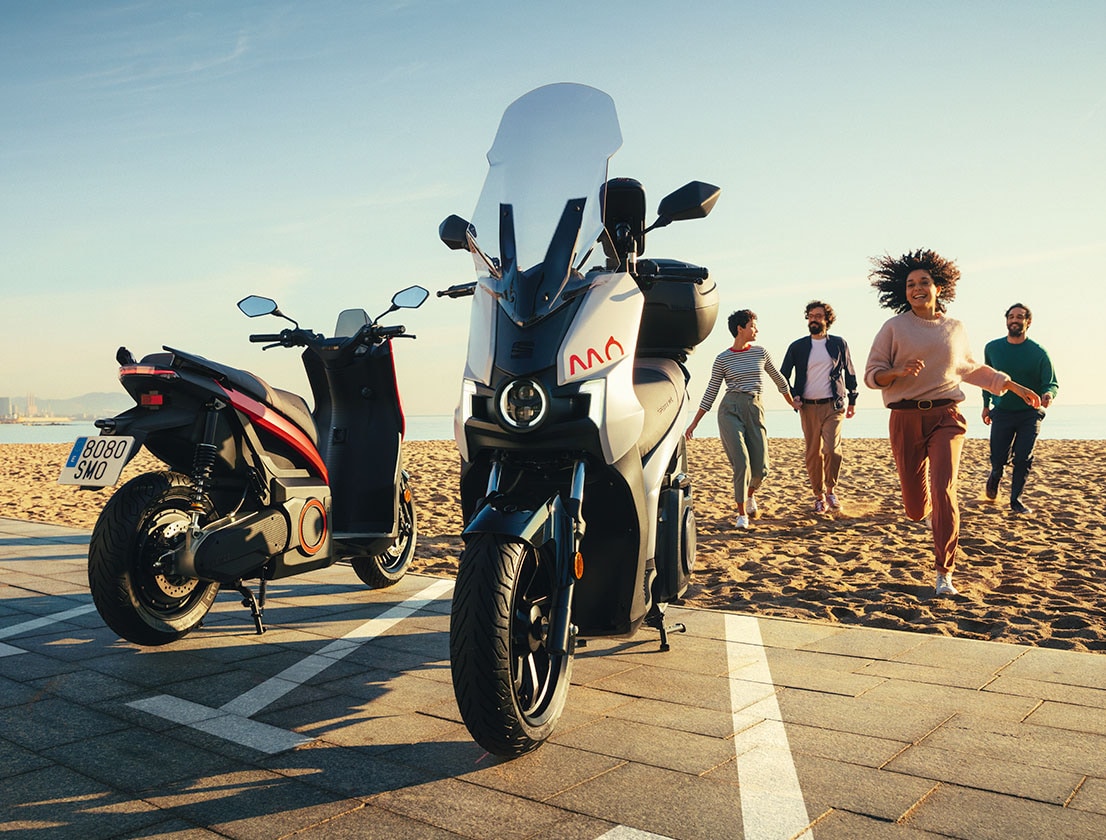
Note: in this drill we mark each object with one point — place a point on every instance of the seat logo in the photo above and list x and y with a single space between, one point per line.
595 357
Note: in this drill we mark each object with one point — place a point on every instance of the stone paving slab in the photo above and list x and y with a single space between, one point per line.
884 734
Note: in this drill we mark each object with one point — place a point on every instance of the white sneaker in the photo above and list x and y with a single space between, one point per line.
944 585
751 507
742 522
831 501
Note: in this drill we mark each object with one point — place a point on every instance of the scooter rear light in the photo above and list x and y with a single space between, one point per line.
147 370
152 400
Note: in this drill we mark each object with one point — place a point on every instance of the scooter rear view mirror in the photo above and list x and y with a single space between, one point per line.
457 233
691 201
255 306
410 298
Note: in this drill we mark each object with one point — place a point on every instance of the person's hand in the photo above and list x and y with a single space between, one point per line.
1032 399
986 416
796 403
1046 400
690 432
850 411
910 368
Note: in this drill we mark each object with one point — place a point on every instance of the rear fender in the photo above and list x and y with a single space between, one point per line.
140 423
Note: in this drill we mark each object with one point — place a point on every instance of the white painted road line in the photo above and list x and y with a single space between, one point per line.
622 832
35 624
772 805
234 728
43 621
232 720
256 699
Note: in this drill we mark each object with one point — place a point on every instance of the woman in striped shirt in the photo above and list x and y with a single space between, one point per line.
741 414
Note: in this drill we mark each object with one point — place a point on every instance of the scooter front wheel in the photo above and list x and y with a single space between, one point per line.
142 522
383 570
510 687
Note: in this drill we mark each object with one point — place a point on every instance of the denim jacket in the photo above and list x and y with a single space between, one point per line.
842 375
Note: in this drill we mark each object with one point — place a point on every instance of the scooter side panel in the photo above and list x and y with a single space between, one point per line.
600 346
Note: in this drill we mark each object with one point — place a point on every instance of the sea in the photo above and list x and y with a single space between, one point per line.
1064 422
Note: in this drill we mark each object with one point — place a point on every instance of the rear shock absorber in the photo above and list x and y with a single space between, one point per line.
203 461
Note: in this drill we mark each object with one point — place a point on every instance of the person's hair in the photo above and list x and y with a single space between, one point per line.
1013 306
814 304
888 277
739 319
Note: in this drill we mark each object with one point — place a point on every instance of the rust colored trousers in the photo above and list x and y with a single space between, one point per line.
927 445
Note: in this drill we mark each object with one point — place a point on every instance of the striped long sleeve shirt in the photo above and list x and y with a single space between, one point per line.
742 370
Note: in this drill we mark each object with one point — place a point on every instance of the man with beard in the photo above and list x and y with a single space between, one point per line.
1015 425
824 394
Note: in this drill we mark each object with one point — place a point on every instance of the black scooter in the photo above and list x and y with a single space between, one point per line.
258 485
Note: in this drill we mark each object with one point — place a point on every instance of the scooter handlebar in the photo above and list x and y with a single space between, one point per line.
460 290
265 338
389 332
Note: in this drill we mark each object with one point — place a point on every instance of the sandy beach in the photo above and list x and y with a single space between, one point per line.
1038 579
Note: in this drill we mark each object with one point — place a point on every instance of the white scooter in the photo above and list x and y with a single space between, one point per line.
574 479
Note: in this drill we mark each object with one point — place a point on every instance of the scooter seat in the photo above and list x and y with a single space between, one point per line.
294 407
660 385
287 403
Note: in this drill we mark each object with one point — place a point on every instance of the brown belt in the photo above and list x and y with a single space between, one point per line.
923 405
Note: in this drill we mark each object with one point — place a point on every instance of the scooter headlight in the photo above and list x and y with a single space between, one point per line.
523 404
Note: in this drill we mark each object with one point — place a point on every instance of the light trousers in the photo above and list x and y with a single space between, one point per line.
822 433
927 445
744 440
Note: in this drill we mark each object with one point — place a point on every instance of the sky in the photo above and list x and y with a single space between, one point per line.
161 160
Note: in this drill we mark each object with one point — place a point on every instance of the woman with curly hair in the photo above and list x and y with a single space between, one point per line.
919 359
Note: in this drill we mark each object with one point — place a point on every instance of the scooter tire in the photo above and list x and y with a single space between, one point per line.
387 569
510 688
142 520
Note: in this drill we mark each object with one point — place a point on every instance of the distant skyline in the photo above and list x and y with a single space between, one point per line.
161 160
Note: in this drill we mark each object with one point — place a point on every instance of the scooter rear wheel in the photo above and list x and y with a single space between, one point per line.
383 570
146 518
510 687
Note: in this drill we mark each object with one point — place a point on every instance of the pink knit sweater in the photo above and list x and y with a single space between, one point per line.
943 345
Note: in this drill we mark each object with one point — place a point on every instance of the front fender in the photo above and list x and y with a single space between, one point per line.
530 526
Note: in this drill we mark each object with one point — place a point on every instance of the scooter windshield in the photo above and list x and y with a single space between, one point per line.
539 212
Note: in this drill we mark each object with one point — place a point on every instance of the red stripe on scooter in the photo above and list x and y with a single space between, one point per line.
399 401
279 426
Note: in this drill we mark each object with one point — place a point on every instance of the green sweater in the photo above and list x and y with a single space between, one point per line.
1027 364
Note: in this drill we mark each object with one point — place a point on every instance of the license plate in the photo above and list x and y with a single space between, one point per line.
96 461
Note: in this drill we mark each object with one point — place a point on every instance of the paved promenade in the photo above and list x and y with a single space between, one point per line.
340 722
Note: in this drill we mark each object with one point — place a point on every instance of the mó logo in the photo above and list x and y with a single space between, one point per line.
594 357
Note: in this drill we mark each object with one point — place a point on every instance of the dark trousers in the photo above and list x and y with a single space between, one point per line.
1013 436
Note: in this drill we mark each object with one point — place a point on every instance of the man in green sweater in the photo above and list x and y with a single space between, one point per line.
1014 425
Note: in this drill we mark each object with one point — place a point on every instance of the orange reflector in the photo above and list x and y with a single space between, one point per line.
407 494
578 566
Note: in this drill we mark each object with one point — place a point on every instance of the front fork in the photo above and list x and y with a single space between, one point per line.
563 527
567 525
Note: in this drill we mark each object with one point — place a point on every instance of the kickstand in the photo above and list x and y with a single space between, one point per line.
256 604
655 619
